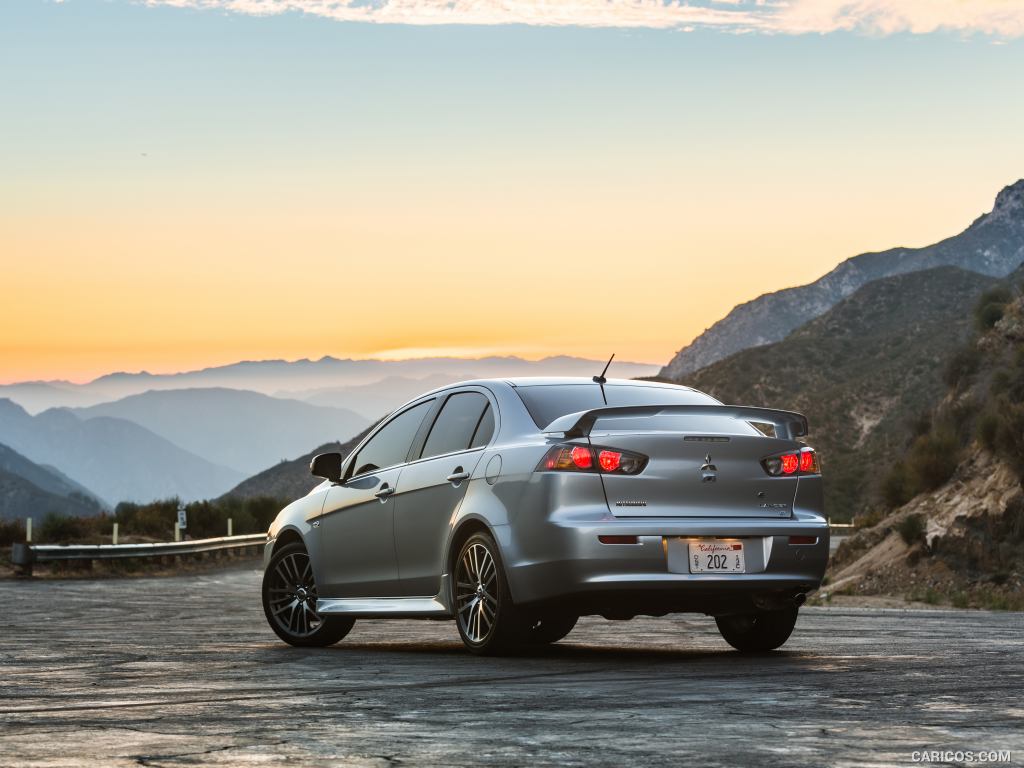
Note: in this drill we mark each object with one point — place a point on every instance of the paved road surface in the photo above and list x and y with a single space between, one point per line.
182 671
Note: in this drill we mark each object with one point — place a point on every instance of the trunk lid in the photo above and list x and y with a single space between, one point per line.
693 475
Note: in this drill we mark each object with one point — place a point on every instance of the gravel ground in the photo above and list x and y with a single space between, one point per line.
183 671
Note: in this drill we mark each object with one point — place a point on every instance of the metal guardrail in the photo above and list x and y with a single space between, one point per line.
24 555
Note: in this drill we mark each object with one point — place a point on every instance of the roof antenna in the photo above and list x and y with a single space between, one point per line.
601 380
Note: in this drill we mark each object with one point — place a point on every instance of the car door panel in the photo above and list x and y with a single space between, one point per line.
356 538
433 488
427 501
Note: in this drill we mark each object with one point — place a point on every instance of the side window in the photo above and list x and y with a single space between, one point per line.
456 425
485 429
391 444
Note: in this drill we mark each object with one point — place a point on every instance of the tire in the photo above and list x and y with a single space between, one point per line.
758 632
289 601
487 619
548 628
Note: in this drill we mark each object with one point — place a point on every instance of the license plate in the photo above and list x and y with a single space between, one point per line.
716 556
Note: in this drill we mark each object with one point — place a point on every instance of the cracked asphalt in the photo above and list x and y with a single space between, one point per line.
182 671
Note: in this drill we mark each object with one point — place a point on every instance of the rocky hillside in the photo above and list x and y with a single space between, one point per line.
289 479
863 373
956 533
993 245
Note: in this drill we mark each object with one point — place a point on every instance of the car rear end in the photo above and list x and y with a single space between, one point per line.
685 507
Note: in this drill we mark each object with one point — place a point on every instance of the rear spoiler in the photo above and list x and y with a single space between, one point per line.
788 424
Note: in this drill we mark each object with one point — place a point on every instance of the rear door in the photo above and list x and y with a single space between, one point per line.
433 487
697 467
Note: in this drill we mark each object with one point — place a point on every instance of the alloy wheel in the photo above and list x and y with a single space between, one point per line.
476 592
292 595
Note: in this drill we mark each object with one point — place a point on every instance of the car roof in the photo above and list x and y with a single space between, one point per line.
550 381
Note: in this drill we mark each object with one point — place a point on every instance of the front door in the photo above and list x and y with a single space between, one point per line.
356 537
355 540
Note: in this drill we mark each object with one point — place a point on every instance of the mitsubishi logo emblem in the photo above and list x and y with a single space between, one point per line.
708 471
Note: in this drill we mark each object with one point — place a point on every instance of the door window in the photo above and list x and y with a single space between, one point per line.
458 424
390 446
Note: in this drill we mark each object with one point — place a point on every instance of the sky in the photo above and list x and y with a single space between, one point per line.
186 183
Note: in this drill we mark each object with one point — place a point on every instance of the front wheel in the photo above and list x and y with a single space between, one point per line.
289 601
754 632
488 621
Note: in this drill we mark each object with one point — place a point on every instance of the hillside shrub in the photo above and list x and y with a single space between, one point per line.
930 462
962 365
990 307
911 529
11 531
64 529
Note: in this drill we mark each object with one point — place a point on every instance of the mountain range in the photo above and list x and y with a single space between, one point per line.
284 378
992 245
245 431
29 487
862 373
115 458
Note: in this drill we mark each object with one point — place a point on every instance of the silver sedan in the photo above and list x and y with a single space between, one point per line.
517 506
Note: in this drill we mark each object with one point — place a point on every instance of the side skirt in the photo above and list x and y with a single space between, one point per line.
390 607
382 607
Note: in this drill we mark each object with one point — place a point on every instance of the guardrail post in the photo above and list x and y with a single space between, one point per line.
22 558
114 536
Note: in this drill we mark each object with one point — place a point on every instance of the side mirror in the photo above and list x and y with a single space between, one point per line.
327 466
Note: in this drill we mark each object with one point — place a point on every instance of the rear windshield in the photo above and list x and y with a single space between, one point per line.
547 402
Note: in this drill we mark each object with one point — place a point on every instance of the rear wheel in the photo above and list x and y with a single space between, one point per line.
548 628
484 612
289 601
753 632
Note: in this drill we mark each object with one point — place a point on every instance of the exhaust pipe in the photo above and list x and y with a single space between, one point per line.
799 599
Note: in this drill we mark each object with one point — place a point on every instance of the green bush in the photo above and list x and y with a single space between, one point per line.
62 529
896 486
11 531
990 307
962 365
933 459
987 428
911 529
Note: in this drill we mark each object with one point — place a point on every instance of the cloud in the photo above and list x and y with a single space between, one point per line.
992 18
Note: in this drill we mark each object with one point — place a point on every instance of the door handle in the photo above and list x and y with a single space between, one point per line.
457 476
385 491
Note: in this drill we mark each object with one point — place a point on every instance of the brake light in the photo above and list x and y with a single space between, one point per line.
609 460
582 458
803 462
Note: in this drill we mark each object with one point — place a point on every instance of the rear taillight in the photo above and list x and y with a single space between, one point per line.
802 462
582 458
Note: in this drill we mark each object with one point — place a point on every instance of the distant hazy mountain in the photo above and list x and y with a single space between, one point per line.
863 373
282 378
290 480
993 245
380 397
117 459
245 431
45 477
28 489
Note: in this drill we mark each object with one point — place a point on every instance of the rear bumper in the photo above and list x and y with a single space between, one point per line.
573 567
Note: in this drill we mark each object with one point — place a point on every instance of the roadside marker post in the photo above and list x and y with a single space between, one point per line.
114 536
28 530
177 532
231 527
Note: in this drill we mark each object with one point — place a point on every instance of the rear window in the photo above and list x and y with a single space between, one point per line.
547 402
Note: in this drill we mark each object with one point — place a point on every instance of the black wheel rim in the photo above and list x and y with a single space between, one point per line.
476 592
292 595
